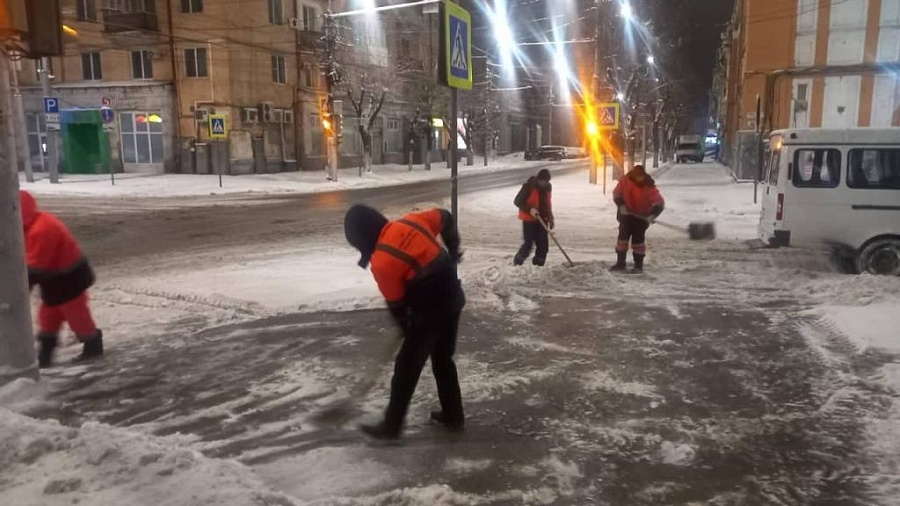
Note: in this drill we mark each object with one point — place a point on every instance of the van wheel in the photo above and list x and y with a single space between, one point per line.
881 257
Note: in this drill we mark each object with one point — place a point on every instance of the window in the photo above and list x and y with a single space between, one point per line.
87 11
142 64
90 66
195 62
802 92
37 137
310 19
874 169
278 69
142 137
311 76
316 145
817 168
191 6
276 12
774 166
350 141
393 137
126 6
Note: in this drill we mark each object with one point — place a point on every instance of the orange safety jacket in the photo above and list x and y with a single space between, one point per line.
54 259
536 199
408 250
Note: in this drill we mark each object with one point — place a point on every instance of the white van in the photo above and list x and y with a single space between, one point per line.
839 188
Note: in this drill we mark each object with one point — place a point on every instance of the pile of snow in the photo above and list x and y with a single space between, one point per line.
47 464
182 185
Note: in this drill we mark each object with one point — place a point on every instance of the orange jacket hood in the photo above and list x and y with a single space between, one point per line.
30 209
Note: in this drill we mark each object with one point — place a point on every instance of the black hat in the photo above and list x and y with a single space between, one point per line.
544 174
362 227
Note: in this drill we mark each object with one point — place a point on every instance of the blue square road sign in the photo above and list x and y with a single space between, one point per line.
51 105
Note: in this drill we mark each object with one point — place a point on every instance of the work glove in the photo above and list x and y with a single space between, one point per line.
551 224
534 213
623 209
457 256
652 218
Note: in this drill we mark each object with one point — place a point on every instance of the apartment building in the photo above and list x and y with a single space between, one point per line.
141 79
812 63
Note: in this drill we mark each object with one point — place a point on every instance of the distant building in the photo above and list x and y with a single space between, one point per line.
812 63
142 78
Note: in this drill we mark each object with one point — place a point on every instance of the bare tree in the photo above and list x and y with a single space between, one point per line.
366 102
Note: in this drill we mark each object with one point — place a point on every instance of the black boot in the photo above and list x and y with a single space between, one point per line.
93 347
48 342
638 263
451 425
620 261
380 431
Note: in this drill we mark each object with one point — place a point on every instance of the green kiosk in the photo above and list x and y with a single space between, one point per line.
85 146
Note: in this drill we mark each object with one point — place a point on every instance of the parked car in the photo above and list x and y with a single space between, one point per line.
552 153
573 153
837 188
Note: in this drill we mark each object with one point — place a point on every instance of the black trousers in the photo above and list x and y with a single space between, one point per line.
534 234
430 332
633 230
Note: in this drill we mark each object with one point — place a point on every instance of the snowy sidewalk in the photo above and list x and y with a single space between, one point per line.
184 185
728 374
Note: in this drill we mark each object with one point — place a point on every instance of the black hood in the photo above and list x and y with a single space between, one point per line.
362 227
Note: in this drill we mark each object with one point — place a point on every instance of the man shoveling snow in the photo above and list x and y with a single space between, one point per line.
639 204
57 265
418 279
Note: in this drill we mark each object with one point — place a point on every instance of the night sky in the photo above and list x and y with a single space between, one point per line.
691 29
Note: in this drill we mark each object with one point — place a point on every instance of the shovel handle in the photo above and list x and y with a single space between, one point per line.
553 236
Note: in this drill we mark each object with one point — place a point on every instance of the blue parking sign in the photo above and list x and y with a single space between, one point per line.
51 105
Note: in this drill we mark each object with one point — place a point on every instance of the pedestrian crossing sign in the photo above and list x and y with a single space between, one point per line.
456 50
608 116
217 128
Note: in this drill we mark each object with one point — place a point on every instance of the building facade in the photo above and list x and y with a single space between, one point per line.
811 63
141 80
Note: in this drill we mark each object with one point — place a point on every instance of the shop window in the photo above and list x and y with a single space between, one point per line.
142 137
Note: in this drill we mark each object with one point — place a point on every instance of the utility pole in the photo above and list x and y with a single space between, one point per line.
17 357
331 78
52 146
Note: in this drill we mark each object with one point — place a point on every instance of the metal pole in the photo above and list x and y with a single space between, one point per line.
758 149
52 149
454 189
21 130
605 174
16 342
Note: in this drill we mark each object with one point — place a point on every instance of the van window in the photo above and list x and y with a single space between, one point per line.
774 167
877 169
817 168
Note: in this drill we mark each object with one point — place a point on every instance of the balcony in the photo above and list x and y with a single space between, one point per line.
115 22
309 40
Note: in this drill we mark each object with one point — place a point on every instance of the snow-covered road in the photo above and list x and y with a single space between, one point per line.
729 374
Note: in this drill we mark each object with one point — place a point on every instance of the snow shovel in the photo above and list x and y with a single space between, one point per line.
553 236
697 230
340 411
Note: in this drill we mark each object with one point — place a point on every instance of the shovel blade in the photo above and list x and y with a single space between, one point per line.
702 231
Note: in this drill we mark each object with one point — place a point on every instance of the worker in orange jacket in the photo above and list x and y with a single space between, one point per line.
639 204
418 279
534 201
57 265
